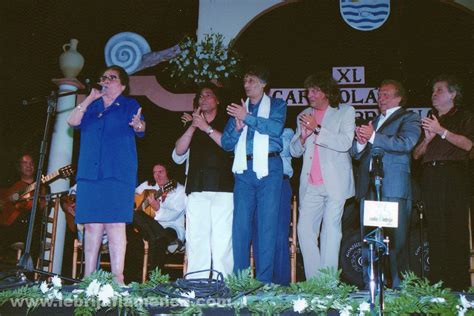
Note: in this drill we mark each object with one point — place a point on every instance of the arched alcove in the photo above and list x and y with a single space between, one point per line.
419 40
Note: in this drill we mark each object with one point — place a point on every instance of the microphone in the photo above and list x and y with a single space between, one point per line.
93 85
377 170
377 164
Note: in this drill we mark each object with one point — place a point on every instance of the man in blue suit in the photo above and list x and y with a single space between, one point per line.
395 131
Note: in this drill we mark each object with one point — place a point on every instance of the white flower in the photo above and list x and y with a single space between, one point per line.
244 301
182 302
300 305
461 310
465 303
93 288
438 300
44 287
125 293
346 311
189 294
57 294
56 281
77 291
105 294
364 307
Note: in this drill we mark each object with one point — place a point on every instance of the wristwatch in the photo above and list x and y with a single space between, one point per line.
209 130
317 129
443 136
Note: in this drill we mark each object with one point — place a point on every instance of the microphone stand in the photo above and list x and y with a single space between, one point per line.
25 263
420 206
378 246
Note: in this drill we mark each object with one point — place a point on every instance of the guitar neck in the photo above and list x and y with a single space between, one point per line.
50 177
44 180
158 193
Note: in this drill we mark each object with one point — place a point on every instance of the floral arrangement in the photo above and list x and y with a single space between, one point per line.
317 295
208 60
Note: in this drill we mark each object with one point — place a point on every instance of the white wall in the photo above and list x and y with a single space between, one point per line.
228 17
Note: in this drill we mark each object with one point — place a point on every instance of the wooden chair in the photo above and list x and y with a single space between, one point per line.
182 266
46 254
78 250
292 239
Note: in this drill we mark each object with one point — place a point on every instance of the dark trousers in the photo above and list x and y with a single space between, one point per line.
157 236
398 257
18 231
445 192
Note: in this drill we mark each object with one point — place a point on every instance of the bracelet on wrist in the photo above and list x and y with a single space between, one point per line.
443 136
209 130
317 129
80 108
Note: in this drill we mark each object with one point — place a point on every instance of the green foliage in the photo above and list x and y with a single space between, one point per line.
317 295
242 282
103 277
419 296
31 294
269 307
326 283
155 278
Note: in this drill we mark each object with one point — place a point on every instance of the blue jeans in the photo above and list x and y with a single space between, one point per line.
256 205
281 264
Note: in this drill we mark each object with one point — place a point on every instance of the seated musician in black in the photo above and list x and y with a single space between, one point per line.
159 216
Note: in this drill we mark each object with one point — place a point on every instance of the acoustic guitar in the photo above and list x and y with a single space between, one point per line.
141 200
18 198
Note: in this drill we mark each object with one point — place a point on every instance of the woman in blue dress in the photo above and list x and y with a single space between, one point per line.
107 168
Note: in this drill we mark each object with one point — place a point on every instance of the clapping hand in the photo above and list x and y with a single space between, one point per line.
237 111
185 118
365 131
307 121
199 121
358 136
432 125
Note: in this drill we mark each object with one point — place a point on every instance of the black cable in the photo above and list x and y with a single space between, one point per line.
203 287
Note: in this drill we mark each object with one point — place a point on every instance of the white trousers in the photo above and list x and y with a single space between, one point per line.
209 232
316 207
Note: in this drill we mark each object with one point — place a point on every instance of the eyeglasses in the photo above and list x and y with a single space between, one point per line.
110 78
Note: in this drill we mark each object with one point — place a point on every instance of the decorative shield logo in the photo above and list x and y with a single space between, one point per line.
365 15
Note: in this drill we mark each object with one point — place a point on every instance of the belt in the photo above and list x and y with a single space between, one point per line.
439 163
272 154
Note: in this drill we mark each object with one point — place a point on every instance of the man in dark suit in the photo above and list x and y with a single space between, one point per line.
395 132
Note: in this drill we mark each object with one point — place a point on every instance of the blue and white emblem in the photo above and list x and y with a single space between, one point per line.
365 15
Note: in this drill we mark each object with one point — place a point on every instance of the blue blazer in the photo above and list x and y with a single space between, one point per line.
396 137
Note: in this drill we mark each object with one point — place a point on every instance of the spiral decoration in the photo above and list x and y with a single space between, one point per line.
126 50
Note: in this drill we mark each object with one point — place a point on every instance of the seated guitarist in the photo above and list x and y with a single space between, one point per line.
16 206
159 216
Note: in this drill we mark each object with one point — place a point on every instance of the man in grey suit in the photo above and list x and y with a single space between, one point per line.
395 132
323 137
